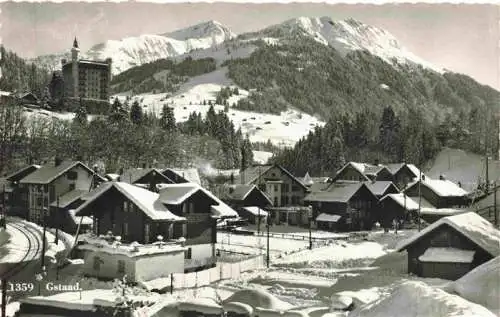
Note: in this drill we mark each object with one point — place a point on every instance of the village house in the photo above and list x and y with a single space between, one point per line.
396 206
248 200
439 193
194 203
452 246
403 174
382 188
343 206
280 185
131 212
16 196
68 179
178 176
145 177
361 172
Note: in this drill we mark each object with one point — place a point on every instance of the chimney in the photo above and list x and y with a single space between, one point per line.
121 171
376 162
57 161
441 177
143 165
232 178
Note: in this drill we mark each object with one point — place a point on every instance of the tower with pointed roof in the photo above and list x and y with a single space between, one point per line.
86 79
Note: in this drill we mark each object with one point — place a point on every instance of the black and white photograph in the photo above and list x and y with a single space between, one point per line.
246 159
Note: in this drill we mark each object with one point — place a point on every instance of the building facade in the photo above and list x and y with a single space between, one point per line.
87 79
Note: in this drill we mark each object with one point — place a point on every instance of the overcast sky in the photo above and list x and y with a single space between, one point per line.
462 38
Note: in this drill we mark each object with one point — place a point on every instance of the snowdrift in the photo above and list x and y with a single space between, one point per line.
259 298
419 299
481 285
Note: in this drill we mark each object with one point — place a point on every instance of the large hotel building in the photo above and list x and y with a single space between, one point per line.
86 79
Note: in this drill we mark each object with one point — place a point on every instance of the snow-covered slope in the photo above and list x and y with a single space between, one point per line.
133 51
348 35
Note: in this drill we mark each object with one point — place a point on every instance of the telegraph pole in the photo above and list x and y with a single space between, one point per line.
495 203
267 256
419 198
44 235
57 222
4 297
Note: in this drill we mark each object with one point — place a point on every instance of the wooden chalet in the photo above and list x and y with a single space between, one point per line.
361 172
248 200
15 195
452 246
277 183
179 176
52 181
343 206
382 188
132 212
194 203
439 193
403 174
147 178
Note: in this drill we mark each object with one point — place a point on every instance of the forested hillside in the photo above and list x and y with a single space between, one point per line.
161 76
18 75
127 137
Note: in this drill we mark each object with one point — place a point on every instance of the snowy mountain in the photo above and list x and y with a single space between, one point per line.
134 51
345 36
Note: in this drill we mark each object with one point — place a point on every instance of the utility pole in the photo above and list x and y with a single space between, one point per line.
44 235
310 215
419 198
495 203
258 217
4 297
4 209
57 222
267 256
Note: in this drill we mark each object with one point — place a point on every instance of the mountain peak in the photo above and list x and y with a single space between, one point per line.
205 29
350 35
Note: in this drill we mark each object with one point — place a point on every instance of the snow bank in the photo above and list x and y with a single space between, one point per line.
337 253
419 299
238 308
481 285
258 298
201 305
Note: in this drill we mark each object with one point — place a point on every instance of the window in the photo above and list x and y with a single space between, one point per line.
121 266
71 187
146 233
275 201
125 229
97 263
275 188
188 254
295 188
39 201
72 175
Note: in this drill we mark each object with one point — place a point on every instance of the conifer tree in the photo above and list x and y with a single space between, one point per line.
118 112
136 115
81 114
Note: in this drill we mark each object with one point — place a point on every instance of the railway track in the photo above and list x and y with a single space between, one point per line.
33 251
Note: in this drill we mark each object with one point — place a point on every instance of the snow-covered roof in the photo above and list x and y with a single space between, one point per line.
444 187
84 220
99 245
49 172
328 218
481 285
189 174
112 176
174 194
256 211
378 188
400 199
471 225
415 298
447 255
442 211
68 198
146 200
219 209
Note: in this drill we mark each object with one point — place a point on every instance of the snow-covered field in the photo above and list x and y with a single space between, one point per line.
284 129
